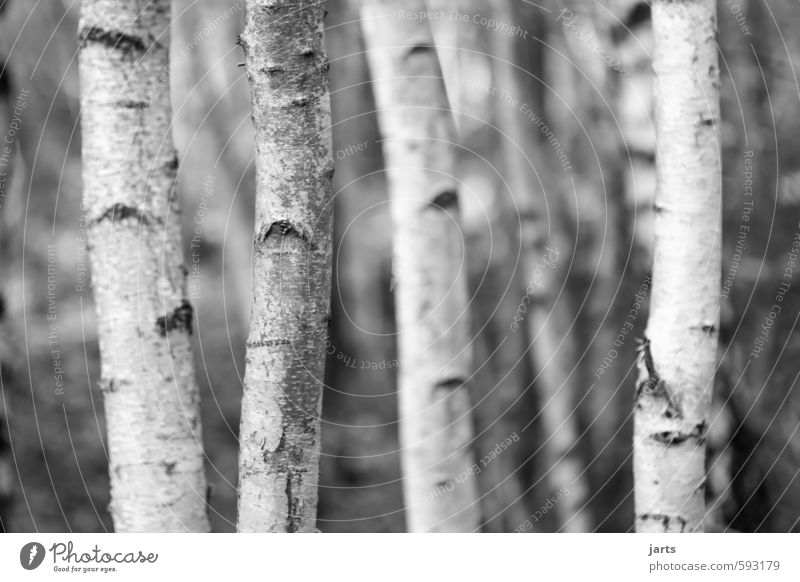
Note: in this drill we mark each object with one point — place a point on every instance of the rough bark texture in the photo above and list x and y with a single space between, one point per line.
144 320
431 294
678 357
280 429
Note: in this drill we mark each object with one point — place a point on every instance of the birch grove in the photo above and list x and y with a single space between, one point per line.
287 66
138 277
431 295
677 358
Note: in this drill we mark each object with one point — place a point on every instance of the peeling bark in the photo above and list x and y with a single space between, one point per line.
677 360
431 293
151 399
279 436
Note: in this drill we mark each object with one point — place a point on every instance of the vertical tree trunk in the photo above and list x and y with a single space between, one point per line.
6 259
678 357
139 282
498 382
431 293
547 309
280 429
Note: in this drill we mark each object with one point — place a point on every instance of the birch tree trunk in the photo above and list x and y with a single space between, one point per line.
431 294
144 319
678 357
497 386
280 429
546 308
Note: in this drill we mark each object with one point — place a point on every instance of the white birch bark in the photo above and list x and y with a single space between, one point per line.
144 319
280 429
497 387
431 293
678 357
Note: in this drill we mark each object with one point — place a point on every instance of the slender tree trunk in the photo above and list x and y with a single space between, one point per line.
678 357
144 319
546 308
280 430
497 387
431 293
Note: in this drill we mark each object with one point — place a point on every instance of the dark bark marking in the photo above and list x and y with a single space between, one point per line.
120 211
173 163
420 49
113 39
673 437
445 200
329 171
180 319
664 519
653 385
269 343
131 104
107 386
273 70
449 384
293 518
169 467
284 228
303 100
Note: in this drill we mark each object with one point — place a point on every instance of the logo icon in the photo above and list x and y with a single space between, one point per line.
31 555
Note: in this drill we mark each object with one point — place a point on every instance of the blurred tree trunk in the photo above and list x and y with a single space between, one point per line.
762 297
497 391
7 243
431 293
545 308
139 280
678 357
280 430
